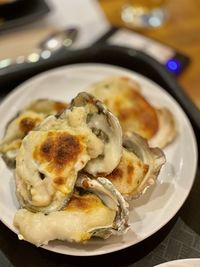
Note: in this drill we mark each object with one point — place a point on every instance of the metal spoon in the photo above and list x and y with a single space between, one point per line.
50 45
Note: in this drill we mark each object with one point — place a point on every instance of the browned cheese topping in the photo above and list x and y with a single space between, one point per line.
138 112
122 96
60 106
26 124
58 150
85 203
129 174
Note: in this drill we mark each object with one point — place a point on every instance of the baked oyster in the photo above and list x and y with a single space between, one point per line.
97 210
52 154
22 123
138 168
107 128
123 97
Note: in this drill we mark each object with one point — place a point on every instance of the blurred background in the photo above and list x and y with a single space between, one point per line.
23 24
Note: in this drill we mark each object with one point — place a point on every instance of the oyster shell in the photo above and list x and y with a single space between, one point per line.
107 128
50 157
167 129
15 132
135 113
139 166
112 198
22 123
86 215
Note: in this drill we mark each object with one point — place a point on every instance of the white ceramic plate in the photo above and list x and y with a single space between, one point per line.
151 211
181 263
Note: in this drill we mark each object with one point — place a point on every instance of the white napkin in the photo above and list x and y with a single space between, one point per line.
85 14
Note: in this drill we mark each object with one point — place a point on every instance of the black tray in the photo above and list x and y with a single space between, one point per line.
102 53
174 239
21 12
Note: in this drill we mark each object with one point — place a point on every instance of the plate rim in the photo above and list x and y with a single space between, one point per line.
36 78
187 260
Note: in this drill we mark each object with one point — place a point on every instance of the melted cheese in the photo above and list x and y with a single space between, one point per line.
121 95
129 174
76 223
50 158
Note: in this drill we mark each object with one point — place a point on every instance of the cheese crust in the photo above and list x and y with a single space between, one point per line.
77 222
51 156
129 174
122 96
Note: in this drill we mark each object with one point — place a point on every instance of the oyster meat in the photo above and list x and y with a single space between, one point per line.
123 97
87 214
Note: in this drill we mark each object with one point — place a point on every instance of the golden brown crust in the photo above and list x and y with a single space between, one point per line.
59 180
117 173
84 203
122 96
26 124
58 150
47 106
140 113
60 106
129 174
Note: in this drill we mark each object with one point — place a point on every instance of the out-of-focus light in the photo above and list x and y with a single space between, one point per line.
155 22
20 59
67 42
173 65
45 54
34 57
52 44
5 62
